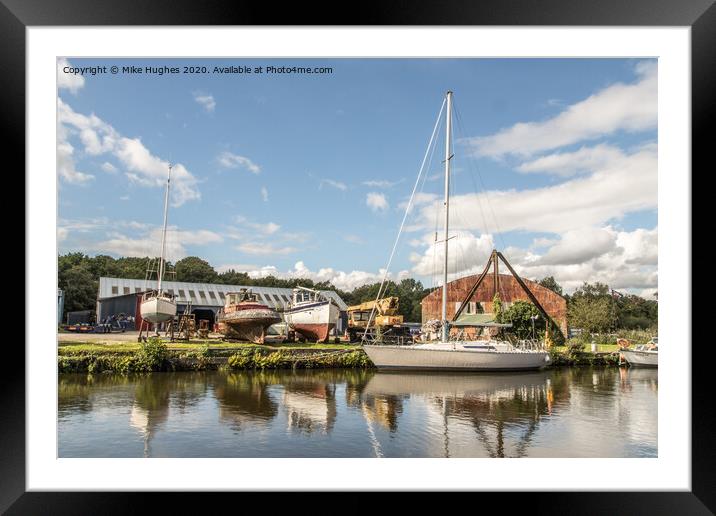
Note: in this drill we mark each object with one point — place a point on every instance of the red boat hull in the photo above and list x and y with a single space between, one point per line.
317 332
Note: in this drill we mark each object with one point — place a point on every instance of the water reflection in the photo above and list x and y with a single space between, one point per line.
360 413
244 400
310 404
492 404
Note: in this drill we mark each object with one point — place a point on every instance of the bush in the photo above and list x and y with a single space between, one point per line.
152 355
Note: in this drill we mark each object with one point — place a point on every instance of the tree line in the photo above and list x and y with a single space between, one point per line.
592 307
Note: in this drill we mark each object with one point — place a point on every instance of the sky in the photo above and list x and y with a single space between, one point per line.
310 174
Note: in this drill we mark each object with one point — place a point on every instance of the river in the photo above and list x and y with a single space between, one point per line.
570 412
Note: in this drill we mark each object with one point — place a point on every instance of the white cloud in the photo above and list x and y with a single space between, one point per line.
68 81
380 183
420 199
62 234
377 201
98 137
621 186
205 100
353 239
264 194
108 167
262 248
625 260
340 279
619 107
238 267
148 243
267 228
229 160
641 246
66 163
590 255
335 184
466 253
579 246
567 164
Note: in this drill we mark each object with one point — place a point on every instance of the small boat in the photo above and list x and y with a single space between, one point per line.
158 306
312 314
458 354
245 318
646 355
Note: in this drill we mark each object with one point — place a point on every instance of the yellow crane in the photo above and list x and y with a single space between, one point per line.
386 317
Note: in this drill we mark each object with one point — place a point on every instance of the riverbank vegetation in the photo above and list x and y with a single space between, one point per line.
156 355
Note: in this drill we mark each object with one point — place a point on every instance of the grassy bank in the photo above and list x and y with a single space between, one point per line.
156 355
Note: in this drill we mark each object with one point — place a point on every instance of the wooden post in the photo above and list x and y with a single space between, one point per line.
496 275
473 289
525 288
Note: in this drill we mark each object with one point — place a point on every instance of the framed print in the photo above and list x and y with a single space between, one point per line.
434 250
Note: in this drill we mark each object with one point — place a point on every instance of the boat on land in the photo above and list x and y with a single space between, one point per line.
158 306
245 318
312 314
455 353
646 355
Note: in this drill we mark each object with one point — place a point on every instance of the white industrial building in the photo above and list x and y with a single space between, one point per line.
119 295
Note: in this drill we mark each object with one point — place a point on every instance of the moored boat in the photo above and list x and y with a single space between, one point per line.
312 314
245 318
646 355
457 354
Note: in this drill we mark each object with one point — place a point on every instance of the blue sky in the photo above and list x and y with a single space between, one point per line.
308 174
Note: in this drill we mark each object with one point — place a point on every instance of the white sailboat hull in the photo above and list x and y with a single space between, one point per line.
641 358
158 309
458 359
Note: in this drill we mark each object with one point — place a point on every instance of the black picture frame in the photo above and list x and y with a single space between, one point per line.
700 15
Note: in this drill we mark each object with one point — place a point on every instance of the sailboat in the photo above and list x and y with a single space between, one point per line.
458 354
158 306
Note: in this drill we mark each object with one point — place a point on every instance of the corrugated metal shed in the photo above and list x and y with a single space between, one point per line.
201 294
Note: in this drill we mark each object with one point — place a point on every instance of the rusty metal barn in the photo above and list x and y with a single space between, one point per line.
484 286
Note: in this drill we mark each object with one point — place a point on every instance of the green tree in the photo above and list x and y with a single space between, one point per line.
195 270
593 308
497 308
550 283
635 312
520 314
133 267
231 277
80 288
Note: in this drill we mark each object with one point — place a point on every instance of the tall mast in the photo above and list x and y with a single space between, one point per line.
164 232
448 156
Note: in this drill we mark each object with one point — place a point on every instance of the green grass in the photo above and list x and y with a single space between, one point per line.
601 348
128 347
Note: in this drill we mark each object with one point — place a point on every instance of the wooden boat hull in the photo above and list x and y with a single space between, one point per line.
314 321
157 309
641 358
409 357
317 332
248 324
